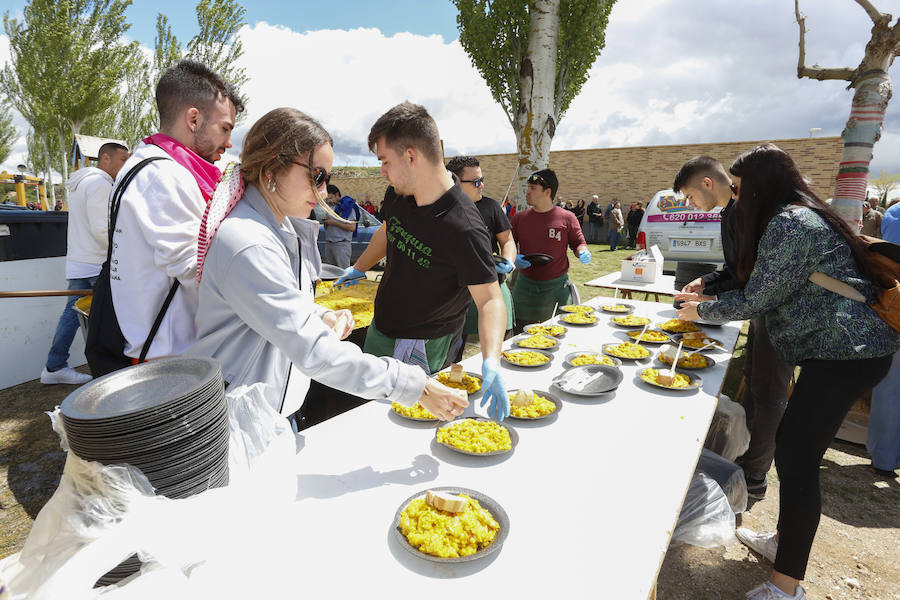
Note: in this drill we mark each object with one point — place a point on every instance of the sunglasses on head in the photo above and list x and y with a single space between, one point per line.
477 182
319 175
537 179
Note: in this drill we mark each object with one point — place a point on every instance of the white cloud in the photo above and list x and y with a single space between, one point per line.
672 72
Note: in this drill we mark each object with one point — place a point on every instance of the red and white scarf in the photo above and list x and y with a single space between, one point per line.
227 193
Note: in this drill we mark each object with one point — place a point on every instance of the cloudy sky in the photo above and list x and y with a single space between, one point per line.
673 71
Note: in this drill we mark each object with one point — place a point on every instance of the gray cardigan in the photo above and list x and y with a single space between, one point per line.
256 314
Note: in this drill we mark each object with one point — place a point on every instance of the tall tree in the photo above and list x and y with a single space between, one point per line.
69 57
885 184
8 132
534 58
136 116
872 85
167 49
217 44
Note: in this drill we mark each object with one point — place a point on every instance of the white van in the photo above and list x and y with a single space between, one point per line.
690 239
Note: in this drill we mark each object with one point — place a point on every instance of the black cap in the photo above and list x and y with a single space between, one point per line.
545 178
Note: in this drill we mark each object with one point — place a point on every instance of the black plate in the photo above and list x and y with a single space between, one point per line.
607 379
486 502
556 402
617 312
513 437
605 346
512 364
125 394
573 355
641 326
696 381
330 272
538 259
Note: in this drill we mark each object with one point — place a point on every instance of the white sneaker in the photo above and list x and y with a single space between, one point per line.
64 375
767 591
761 543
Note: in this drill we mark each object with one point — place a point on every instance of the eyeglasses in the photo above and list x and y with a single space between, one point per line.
319 174
537 179
477 182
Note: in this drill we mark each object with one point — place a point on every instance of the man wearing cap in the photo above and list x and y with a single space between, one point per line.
471 180
545 229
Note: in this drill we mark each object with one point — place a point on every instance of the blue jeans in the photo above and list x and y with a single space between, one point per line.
58 356
613 238
883 440
594 230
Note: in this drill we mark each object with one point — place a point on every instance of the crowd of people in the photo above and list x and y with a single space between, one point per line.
202 263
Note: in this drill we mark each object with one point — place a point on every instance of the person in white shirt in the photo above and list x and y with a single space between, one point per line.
155 241
86 245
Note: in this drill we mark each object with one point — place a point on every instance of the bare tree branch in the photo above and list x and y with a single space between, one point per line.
867 6
816 72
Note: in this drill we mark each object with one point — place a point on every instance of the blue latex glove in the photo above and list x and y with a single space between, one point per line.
584 256
504 267
350 274
521 263
494 390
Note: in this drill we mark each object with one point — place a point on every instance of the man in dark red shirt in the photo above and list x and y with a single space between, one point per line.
546 229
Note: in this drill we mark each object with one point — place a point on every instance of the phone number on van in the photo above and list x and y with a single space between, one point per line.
697 217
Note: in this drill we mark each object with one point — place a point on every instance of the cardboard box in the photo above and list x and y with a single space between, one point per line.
643 269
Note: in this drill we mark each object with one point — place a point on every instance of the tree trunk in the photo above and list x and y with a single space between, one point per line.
863 129
535 121
49 172
65 168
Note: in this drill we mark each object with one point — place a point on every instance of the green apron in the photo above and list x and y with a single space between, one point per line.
534 300
471 326
379 344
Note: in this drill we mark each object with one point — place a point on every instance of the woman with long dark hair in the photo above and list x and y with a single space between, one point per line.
787 235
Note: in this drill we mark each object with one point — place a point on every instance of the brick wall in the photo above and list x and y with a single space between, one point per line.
632 174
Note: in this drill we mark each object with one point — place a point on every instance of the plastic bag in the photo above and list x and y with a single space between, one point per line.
728 475
706 519
728 435
100 515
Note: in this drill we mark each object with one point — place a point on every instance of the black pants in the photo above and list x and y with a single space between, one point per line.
825 391
764 400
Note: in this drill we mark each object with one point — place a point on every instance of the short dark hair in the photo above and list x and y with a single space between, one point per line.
333 189
110 148
458 163
190 83
408 125
699 166
546 178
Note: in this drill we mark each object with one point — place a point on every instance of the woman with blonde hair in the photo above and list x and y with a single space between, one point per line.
257 261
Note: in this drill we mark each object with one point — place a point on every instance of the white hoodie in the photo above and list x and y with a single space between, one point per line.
87 241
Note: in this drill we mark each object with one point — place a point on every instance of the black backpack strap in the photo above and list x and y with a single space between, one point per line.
157 322
114 204
116 199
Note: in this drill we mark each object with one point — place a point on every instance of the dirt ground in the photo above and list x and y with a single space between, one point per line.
856 554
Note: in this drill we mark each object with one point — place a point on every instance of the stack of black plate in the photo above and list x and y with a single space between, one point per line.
167 417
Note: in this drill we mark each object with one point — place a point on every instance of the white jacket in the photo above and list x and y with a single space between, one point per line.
155 242
257 315
87 241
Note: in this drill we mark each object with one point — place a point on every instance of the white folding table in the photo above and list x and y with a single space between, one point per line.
592 494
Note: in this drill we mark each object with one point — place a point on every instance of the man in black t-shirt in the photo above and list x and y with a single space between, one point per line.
438 257
471 180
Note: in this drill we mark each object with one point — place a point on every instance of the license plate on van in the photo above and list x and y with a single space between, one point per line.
691 245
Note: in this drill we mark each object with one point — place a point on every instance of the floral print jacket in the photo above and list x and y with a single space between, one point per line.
804 320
